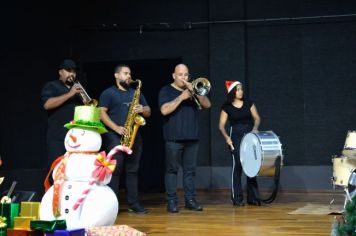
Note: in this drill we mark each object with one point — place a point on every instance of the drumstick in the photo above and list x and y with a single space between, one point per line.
232 148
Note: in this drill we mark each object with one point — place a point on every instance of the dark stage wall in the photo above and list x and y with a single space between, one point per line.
299 73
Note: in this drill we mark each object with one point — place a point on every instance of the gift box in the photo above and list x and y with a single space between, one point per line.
48 226
22 222
61 232
9 210
115 230
23 232
30 209
3 231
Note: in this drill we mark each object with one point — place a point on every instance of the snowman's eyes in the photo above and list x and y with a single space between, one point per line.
83 133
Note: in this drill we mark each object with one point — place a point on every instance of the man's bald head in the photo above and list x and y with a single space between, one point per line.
180 73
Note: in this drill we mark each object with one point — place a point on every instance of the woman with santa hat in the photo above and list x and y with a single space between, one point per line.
243 118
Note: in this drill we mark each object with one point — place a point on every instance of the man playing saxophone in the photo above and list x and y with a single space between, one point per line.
116 103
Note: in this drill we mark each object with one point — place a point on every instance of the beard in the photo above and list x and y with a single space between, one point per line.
124 84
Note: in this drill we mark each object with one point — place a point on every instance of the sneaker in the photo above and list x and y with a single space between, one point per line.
238 203
193 205
254 202
172 206
138 209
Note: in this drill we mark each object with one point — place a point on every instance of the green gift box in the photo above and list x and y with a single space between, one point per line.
9 210
3 231
48 226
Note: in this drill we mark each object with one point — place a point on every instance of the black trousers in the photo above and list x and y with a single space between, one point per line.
129 163
185 152
237 132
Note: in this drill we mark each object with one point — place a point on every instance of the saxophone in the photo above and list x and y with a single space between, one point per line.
133 120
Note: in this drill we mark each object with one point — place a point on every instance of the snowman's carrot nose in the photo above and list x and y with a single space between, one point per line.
73 138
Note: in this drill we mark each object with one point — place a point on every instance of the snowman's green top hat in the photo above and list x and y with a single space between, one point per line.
87 117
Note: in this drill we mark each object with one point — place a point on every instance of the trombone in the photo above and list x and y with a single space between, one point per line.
201 86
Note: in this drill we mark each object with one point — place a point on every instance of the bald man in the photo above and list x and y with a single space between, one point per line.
180 133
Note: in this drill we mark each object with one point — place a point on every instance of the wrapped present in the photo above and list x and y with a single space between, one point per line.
9 210
115 230
48 226
74 232
22 222
23 232
30 209
3 231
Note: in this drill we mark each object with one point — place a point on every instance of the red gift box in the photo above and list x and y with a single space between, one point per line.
23 232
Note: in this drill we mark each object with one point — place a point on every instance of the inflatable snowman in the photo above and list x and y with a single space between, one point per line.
80 194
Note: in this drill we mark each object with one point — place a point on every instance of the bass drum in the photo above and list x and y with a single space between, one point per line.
350 144
342 169
258 153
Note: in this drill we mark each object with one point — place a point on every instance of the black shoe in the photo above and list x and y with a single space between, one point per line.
138 209
238 203
193 205
172 206
254 202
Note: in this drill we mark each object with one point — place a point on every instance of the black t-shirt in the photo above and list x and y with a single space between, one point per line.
181 124
118 102
239 115
61 115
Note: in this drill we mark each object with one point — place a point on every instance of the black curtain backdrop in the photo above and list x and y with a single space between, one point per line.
301 74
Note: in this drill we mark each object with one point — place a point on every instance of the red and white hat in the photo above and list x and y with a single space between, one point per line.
231 84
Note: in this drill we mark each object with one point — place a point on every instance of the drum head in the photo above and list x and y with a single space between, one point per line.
250 154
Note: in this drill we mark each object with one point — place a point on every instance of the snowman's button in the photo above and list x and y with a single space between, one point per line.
69 186
66 197
66 211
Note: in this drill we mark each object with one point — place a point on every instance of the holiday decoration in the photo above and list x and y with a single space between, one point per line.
115 230
80 194
348 226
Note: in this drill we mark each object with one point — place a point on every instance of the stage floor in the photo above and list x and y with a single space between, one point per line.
219 217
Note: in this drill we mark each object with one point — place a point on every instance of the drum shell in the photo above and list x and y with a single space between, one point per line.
342 168
350 144
268 165
269 148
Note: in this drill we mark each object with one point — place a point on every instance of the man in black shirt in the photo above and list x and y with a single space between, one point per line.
115 102
180 132
59 100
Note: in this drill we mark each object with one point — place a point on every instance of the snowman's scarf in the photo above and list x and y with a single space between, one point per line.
58 182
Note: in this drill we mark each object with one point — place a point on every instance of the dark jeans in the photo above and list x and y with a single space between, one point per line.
238 131
131 164
187 153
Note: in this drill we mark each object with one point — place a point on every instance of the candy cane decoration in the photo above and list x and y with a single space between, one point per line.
104 166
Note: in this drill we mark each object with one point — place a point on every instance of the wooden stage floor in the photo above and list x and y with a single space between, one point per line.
219 217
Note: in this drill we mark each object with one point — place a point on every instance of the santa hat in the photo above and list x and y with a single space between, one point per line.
231 84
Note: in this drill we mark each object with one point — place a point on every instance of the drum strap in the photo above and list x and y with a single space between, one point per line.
277 173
